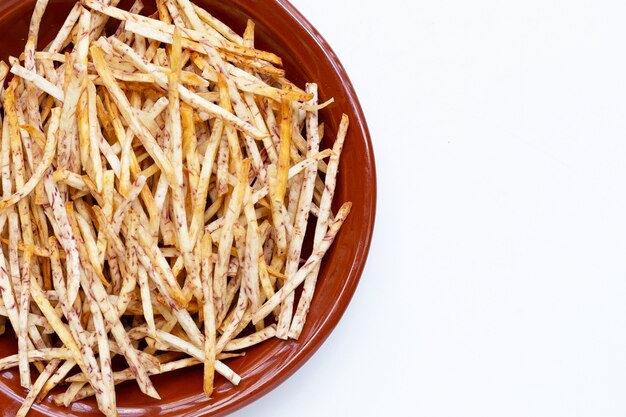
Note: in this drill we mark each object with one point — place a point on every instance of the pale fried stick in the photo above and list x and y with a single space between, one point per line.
36 388
124 107
302 215
24 215
285 144
209 315
25 189
323 219
11 361
251 340
309 265
38 81
192 99
164 32
226 238
94 136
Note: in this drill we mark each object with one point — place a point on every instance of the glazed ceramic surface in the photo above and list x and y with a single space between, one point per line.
282 30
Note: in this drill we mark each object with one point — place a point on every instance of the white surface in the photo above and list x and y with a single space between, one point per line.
496 283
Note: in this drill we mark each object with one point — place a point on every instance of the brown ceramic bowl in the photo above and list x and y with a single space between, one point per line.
307 57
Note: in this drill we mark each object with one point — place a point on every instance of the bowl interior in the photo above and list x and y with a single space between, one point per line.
280 29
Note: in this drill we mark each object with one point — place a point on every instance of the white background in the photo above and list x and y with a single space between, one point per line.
496 282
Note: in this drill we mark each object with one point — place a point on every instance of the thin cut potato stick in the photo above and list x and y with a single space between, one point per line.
146 299
24 215
227 32
209 315
94 135
39 82
122 209
230 321
67 127
252 280
124 106
200 197
234 148
166 32
126 375
197 353
302 273
11 361
107 192
158 261
119 333
190 146
48 311
192 99
25 189
246 82
323 220
285 143
277 216
36 388
86 359
108 397
302 215
226 239
55 378
251 340
176 146
293 171
126 292
59 41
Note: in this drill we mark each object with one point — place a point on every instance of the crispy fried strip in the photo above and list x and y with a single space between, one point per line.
183 346
252 281
127 375
25 189
58 326
124 107
108 179
323 219
38 81
62 38
49 354
85 357
216 24
119 333
285 144
302 214
278 221
209 315
108 397
164 32
27 234
251 340
226 239
94 137
37 386
309 265
122 209
200 197
192 99
293 171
